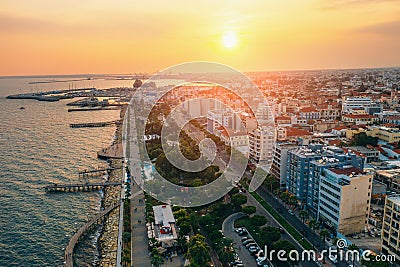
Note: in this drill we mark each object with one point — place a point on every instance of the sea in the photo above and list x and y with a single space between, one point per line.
37 147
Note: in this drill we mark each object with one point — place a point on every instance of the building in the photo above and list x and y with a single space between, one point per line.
350 103
309 113
344 199
360 118
368 153
387 134
279 162
332 157
217 118
298 163
391 227
391 178
373 108
330 113
235 138
261 142
164 226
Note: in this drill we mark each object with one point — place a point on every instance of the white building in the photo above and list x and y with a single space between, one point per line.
261 141
350 103
391 227
228 119
164 226
279 161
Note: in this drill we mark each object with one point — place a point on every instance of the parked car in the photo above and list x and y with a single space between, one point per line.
291 212
281 230
240 229
245 238
251 244
254 250
248 241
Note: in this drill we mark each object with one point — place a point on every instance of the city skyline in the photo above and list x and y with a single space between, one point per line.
97 37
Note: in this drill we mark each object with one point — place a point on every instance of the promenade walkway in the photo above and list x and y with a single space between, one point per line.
139 251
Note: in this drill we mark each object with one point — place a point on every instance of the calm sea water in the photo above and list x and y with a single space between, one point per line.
37 147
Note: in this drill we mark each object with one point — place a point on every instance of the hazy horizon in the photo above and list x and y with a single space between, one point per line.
56 38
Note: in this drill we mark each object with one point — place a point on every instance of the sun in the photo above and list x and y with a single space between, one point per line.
229 39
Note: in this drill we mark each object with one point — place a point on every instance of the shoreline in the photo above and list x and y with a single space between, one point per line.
108 240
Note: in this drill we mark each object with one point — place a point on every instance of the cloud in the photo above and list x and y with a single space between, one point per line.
339 4
390 28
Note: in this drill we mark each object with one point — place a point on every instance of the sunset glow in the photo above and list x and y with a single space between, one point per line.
64 37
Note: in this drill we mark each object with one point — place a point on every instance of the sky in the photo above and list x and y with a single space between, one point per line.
47 37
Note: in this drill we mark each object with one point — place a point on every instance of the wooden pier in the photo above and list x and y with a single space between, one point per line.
95 172
95 124
98 219
78 187
93 109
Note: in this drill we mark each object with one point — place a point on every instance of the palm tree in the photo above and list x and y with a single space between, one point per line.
312 223
182 243
323 234
270 181
156 259
303 215
292 200
226 253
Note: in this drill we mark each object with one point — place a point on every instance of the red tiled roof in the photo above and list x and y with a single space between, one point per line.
346 171
290 131
339 128
308 109
359 116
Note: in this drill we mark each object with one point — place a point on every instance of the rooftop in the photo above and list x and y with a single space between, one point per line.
346 171
163 215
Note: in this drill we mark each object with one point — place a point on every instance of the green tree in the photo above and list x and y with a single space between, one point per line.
185 228
286 246
238 200
156 259
324 233
303 215
362 139
198 252
249 209
226 253
258 220
270 182
312 223
182 243
293 200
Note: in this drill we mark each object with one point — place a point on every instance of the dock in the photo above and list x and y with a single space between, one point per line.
54 188
93 109
98 219
95 124
95 172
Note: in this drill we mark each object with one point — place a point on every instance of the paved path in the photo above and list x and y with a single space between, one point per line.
139 255
229 232
272 222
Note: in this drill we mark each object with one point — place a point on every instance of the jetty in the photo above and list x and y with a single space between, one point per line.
95 124
54 188
96 220
95 172
93 109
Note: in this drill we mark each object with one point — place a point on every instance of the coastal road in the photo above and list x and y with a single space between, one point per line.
229 232
272 222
